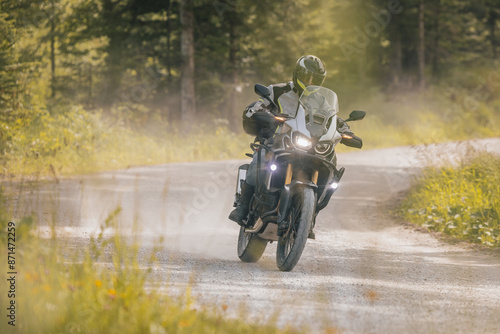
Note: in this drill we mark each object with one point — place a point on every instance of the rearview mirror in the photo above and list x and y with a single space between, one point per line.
262 90
356 115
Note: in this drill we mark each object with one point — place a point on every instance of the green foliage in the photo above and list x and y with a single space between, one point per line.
463 201
7 80
105 50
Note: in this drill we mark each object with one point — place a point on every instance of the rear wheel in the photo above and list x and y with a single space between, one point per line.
250 246
293 241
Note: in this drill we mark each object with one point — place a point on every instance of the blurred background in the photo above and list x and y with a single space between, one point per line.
93 84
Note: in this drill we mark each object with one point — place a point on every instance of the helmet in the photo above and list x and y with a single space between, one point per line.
309 70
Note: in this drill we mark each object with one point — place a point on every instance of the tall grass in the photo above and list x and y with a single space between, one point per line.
102 289
463 201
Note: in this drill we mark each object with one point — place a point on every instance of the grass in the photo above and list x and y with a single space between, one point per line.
61 293
462 201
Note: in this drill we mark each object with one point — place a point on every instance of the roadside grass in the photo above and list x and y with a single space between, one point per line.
102 289
462 201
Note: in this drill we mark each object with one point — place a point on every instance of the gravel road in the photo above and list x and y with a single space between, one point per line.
366 272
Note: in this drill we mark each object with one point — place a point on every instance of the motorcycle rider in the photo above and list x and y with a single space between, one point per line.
309 70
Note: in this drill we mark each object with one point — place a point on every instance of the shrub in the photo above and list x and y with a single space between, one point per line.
462 201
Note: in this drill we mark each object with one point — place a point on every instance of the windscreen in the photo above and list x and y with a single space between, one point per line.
320 105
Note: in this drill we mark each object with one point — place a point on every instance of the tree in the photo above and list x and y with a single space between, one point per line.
188 102
7 75
421 44
12 62
115 24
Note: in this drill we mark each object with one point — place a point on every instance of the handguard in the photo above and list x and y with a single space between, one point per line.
265 119
352 140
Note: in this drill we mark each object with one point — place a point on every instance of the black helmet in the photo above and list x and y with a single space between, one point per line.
309 70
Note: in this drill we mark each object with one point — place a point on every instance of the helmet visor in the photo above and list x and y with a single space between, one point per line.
308 78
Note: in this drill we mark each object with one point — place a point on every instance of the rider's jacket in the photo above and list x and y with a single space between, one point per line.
286 97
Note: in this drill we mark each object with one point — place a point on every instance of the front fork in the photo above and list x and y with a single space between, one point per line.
290 189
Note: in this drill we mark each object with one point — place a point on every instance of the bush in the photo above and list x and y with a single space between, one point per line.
462 201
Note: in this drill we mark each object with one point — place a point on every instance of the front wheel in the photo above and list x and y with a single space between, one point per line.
250 246
293 241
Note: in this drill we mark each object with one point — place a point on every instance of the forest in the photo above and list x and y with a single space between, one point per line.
424 70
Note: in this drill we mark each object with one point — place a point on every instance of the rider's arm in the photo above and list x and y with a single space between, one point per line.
342 127
257 117
259 106
352 140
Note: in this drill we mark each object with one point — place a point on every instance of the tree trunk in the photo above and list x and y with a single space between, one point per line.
435 46
234 120
397 60
115 54
188 104
169 41
491 23
53 57
421 45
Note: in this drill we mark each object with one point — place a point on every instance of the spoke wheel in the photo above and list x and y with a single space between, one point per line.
293 241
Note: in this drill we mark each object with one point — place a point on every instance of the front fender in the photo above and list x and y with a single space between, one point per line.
287 194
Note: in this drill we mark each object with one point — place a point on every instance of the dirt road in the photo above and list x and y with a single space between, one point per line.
366 272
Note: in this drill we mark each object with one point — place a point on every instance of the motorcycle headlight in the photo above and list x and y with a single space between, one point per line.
302 142
322 148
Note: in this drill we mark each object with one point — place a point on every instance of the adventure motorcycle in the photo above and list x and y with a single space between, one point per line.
296 176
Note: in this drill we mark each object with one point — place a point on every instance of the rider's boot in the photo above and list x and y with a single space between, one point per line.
241 211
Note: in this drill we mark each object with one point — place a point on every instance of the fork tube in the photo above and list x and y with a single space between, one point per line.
315 177
257 177
288 179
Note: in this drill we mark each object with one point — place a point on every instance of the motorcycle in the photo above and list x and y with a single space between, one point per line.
296 176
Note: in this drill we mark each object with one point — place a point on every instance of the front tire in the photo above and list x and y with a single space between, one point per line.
293 241
250 246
